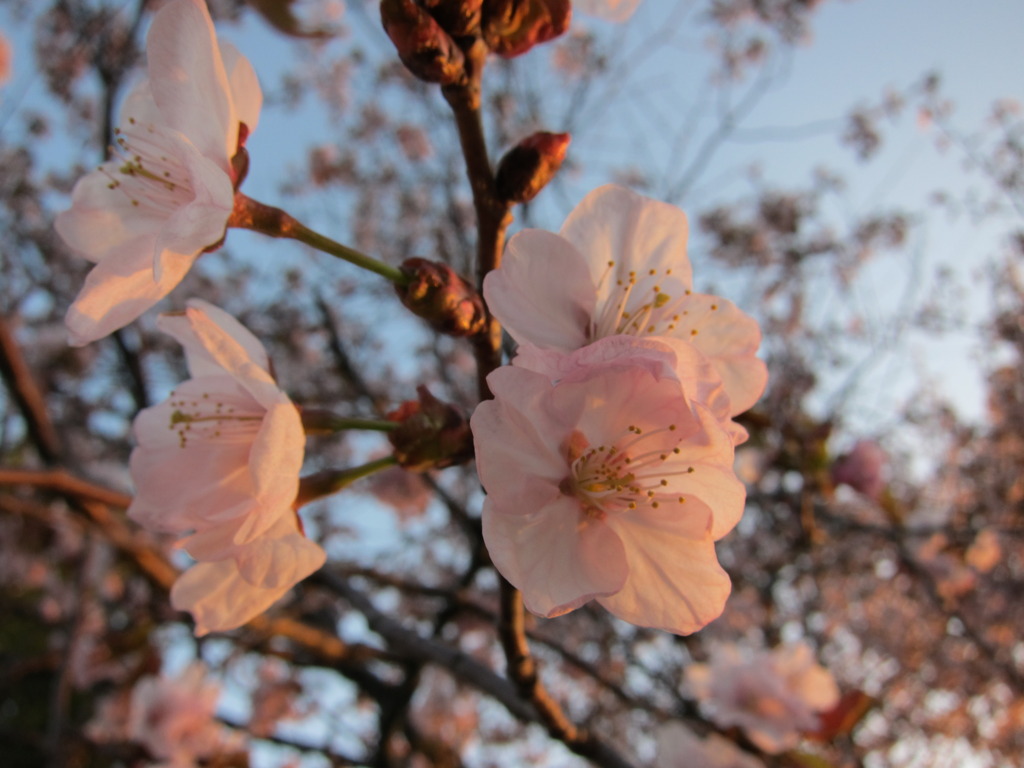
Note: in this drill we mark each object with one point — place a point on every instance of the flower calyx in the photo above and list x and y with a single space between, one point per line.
442 297
431 434
424 47
527 168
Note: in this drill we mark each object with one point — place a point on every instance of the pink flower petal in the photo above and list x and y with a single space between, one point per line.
542 293
120 288
729 338
188 80
281 558
558 557
244 85
614 224
225 594
200 362
219 598
675 582
220 484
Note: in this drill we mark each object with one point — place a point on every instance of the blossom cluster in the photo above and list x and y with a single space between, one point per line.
171 718
773 696
607 451
218 462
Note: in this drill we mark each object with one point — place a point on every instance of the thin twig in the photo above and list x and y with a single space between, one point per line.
22 386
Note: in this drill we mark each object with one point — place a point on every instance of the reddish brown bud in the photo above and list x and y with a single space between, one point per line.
459 18
530 165
512 27
431 434
426 50
440 296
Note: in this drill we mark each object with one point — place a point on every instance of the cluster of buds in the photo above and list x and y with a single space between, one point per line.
431 434
442 297
431 36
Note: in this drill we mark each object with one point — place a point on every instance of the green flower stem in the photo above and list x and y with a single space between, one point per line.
321 484
250 214
320 422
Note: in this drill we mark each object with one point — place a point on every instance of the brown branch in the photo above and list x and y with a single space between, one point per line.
95 502
493 217
492 213
65 484
22 386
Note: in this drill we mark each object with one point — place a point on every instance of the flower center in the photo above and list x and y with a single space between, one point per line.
649 304
636 470
637 305
151 173
206 418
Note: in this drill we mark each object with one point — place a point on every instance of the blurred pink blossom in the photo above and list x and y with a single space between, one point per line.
619 266
219 460
608 485
414 142
405 492
171 717
862 469
773 696
145 216
610 10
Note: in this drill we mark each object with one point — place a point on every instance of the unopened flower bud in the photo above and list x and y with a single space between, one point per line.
431 434
512 27
527 168
459 18
862 469
423 46
440 296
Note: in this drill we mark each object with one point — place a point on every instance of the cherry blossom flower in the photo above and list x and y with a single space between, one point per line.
679 747
144 216
171 717
609 485
219 460
773 696
619 266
